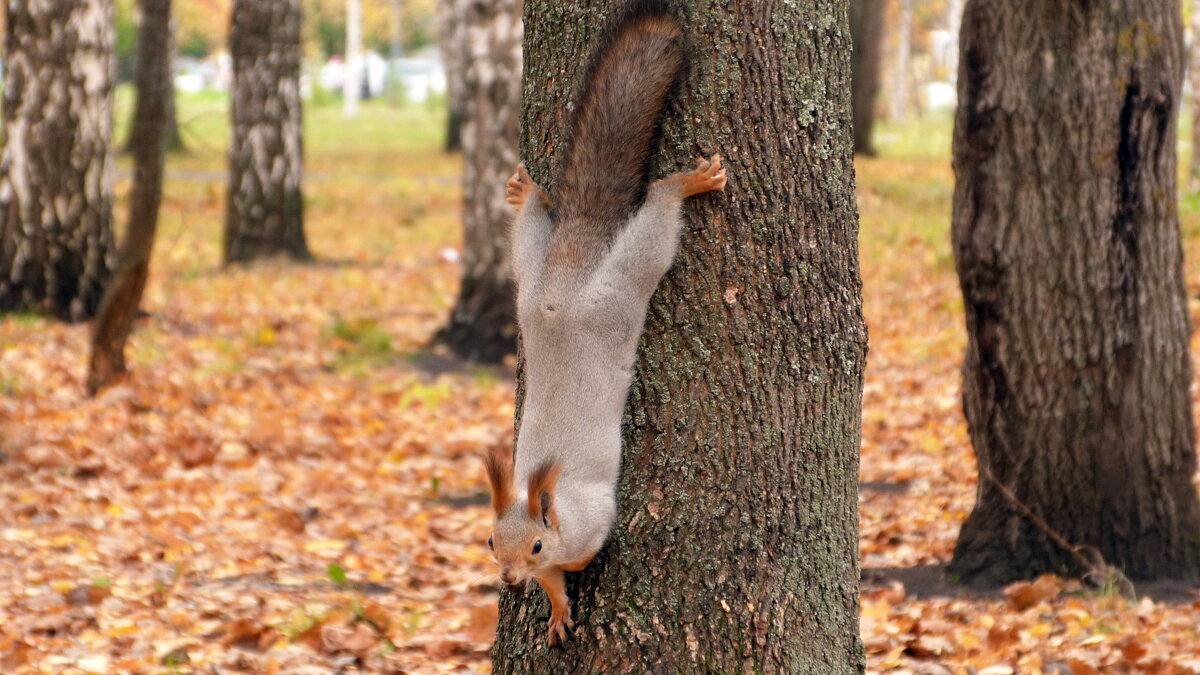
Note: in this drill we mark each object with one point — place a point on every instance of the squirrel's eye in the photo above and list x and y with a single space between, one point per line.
537 547
490 544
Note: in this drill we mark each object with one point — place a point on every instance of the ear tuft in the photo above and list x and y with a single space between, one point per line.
499 465
542 485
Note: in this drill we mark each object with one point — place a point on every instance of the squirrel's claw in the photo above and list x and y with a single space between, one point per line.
560 623
558 629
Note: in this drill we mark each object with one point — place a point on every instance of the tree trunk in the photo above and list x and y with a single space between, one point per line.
173 140
866 29
397 29
56 171
954 13
352 83
121 298
900 99
452 25
264 213
736 542
483 324
1068 250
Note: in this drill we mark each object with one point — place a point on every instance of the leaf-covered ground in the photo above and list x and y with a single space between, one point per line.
289 482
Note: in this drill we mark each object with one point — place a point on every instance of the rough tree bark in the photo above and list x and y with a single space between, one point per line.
264 211
56 170
482 325
900 96
452 25
124 292
1068 250
735 546
866 30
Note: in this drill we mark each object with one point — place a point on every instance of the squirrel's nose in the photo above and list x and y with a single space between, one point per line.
508 578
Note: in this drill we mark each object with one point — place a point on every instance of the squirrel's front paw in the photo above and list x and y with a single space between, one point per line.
521 187
560 622
708 176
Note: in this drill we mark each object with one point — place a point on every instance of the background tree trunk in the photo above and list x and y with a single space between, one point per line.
483 324
352 83
1068 249
866 29
900 96
452 26
155 90
264 213
1194 80
736 543
173 140
954 13
56 171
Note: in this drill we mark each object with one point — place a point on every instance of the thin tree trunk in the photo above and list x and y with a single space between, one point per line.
397 26
173 139
867 30
353 81
154 93
954 13
56 171
900 97
1068 249
452 21
736 542
264 213
482 325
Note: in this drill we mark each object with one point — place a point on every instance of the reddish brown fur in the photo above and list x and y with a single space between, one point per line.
498 463
604 174
544 479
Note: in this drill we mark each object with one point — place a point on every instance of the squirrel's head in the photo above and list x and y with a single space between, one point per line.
525 537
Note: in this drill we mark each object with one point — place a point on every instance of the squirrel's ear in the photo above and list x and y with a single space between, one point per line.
499 464
542 484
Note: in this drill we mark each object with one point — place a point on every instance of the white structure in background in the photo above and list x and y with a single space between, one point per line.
938 96
194 75
420 78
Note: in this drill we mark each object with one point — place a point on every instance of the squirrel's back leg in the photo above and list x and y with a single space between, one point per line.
530 236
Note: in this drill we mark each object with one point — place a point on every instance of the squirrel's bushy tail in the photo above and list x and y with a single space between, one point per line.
631 74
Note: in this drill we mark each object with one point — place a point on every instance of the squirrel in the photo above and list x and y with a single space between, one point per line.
585 267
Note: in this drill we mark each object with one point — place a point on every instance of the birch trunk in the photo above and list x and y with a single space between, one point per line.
900 97
452 22
482 325
353 81
56 172
264 211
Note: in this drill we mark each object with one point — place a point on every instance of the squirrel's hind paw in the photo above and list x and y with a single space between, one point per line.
708 176
520 188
